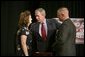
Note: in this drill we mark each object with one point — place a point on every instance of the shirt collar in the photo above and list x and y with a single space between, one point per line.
44 21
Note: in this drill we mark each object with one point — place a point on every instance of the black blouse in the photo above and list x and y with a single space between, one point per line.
23 31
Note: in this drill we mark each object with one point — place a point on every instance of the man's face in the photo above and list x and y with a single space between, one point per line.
39 16
60 16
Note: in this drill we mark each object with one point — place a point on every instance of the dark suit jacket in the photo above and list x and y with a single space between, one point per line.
37 43
65 41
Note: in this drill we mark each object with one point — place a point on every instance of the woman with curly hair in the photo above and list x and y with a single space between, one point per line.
24 38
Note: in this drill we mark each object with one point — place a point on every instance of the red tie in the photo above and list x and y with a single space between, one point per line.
43 32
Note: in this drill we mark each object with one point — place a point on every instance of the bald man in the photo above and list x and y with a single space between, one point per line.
65 40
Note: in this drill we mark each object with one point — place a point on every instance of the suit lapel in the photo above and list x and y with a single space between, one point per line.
37 30
48 27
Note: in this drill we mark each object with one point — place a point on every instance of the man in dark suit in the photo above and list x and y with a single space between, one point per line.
65 41
44 32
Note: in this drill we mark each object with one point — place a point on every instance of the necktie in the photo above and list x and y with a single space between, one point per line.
43 32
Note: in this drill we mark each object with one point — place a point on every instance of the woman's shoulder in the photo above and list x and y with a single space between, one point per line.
18 31
24 28
23 31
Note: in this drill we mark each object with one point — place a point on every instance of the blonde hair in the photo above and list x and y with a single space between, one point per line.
41 10
23 20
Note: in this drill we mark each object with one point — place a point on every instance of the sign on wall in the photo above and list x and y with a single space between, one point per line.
79 23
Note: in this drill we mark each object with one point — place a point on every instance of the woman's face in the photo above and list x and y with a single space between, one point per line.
30 19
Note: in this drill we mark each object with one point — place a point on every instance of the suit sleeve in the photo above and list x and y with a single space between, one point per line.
63 34
61 38
56 23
